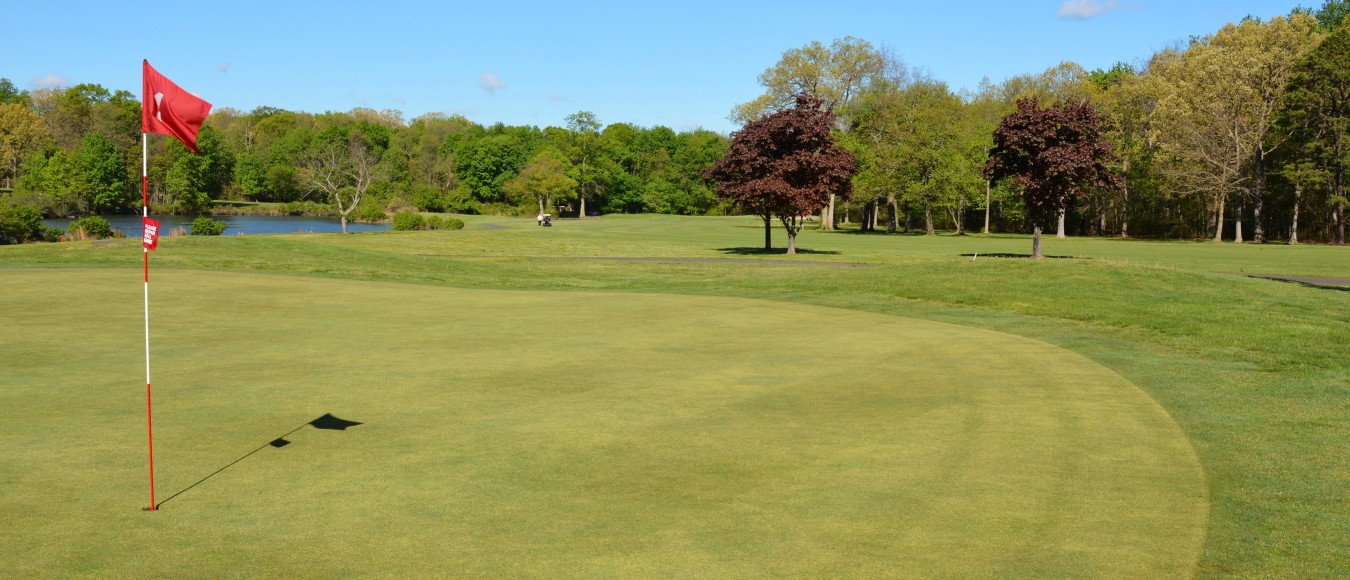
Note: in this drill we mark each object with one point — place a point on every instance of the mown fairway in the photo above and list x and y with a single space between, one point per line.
532 406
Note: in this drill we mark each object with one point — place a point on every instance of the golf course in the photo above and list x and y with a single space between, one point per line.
657 396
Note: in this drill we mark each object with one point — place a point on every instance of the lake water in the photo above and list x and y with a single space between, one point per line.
235 224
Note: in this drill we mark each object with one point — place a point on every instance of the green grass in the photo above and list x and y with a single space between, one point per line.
1253 371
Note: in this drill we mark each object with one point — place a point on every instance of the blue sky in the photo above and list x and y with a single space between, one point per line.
682 64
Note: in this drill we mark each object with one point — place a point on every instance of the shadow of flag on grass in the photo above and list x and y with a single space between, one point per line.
327 422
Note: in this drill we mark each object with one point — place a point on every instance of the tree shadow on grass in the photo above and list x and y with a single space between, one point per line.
883 232
327 421
746 251
1007 255
1333 284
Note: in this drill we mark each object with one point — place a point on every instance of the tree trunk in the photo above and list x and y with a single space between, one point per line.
1101 219
1237 221
1340 223
826 216
768 232
892 220
1125 206
343 218
1036 243
1338 189
792 244
581 186
1218 220
1059 233
987 204
961 216
1208 218
1293 227
834 217
928 218
1259 232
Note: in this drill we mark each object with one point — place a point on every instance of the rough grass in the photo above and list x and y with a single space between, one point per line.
1254 371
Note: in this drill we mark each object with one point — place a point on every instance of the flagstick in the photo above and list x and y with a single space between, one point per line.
145 213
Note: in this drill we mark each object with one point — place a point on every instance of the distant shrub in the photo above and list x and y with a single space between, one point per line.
90 227
435 222
308 208
461 201
409 221
428 198
205 226
20 224
370 214
45 203
450 223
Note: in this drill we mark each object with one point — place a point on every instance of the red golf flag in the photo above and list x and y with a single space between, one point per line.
150 233
170 110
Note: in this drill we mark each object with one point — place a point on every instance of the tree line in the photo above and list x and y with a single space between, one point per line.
75 150
1233 135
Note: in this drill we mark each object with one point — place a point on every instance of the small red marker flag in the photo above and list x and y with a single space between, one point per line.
170 110
150 239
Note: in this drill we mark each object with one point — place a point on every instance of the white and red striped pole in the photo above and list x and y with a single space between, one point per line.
145 249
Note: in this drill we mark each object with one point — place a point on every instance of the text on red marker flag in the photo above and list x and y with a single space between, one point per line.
170 110
150 239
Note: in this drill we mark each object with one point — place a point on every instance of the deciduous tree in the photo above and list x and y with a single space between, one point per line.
1123 105
583 131
1053 155
341 169
1317 109
22 133
785 165
544 178
9 94
834 75
914 148
1216 107
104 178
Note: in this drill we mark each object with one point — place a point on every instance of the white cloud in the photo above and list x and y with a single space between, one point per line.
1085 9
223 67
49 81
490 82
556 98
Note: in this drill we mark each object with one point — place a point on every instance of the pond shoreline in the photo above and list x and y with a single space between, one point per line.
130 225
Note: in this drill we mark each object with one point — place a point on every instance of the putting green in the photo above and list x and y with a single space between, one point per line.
563 434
